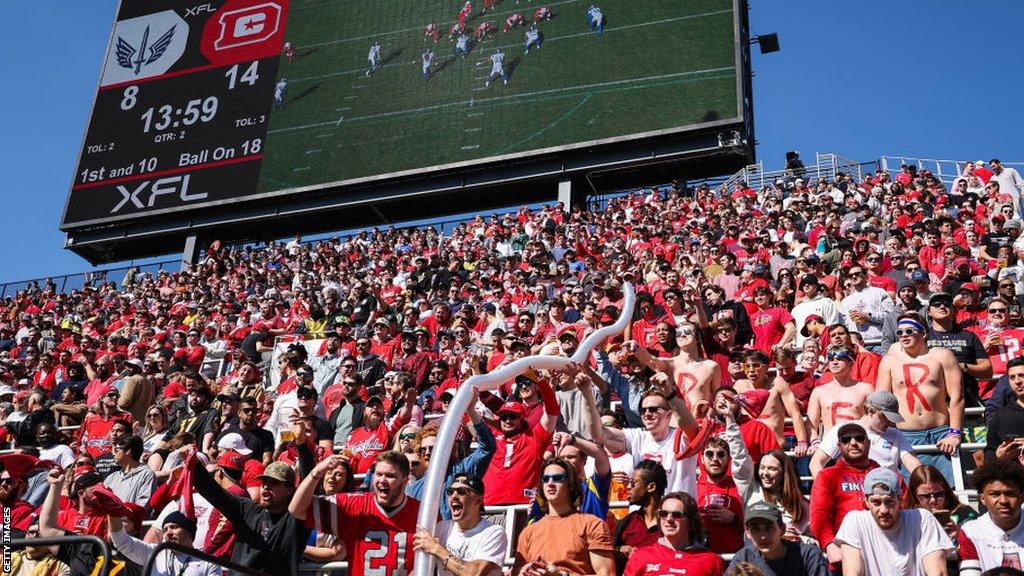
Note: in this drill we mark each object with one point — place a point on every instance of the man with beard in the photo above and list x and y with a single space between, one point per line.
325 366
373 437
927 382
625 375
376 526
696 378
866 307
887 540
465 545
720 495
12 487
266 534
94 434
260 441
414 361
349 413
837 490
369 365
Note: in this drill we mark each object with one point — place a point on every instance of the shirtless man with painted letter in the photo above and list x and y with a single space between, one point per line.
781 401
926 381
695 377
842 399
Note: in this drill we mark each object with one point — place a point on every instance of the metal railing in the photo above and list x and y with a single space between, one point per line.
78 280
190 551
827 166
945 170
76 539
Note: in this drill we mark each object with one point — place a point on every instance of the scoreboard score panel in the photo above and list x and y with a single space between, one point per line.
206 104
181 113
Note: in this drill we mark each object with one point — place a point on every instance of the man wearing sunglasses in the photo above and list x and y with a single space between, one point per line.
841 399
781 401
837 490
696 377
465 545
927 382
520 449
883 539
889 445
1001 342
945 332
865 307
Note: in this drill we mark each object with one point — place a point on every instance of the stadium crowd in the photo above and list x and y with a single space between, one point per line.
826 329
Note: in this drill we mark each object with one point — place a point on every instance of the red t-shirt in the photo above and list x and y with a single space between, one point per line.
722 538
768 327
378 542
837 490
366 445
512 475
658 559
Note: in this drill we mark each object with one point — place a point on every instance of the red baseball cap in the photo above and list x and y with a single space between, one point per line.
513 407
567 329
231 460
970 286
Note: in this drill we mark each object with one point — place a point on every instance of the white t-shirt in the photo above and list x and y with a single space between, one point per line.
485 541
990 544
886 448
898 551
59 453
682 474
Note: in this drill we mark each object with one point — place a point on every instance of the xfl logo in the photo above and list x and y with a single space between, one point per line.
248 25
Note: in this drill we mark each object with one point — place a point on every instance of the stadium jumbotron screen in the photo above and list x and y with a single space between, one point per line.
246 98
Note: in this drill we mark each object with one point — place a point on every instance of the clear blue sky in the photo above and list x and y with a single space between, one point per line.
859 78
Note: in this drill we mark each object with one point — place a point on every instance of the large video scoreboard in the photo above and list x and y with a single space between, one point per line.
215 104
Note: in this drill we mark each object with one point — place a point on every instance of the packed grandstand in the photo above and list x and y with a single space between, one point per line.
805 362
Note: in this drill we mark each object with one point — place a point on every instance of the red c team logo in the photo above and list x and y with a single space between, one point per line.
248 25
244 30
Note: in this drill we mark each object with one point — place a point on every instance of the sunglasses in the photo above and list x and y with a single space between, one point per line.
941 304
997 310
906 332
460 491
754 365
407 436
931 496
425 450
651 409
715 455
6 480
556 478
113 395
250 410
852 437
508 417
675 514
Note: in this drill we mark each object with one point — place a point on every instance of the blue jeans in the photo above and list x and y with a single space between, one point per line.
803 465
940 461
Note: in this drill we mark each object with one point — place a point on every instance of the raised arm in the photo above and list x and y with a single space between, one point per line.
549 419
663 365
51 505
299 506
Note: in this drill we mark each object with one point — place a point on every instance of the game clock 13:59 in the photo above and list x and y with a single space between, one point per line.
181 115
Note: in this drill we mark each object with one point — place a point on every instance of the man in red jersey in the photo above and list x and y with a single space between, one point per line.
512 474
837 490
376 527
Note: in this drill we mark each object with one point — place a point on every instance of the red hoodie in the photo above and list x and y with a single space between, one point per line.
836 491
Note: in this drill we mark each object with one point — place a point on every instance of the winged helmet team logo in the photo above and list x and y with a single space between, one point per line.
134 58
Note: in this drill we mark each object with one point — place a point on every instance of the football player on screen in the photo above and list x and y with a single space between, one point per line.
467 10
513 21
497 67
532 39
457 29
427 60
374 58
462 45
432 31
542 13
595 20
483 30
279 89
488 4
289 51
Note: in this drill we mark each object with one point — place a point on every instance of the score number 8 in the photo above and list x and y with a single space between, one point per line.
131 94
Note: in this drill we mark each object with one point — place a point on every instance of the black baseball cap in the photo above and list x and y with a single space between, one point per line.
470 481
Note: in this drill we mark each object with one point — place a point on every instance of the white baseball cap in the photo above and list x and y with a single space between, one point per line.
233 441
